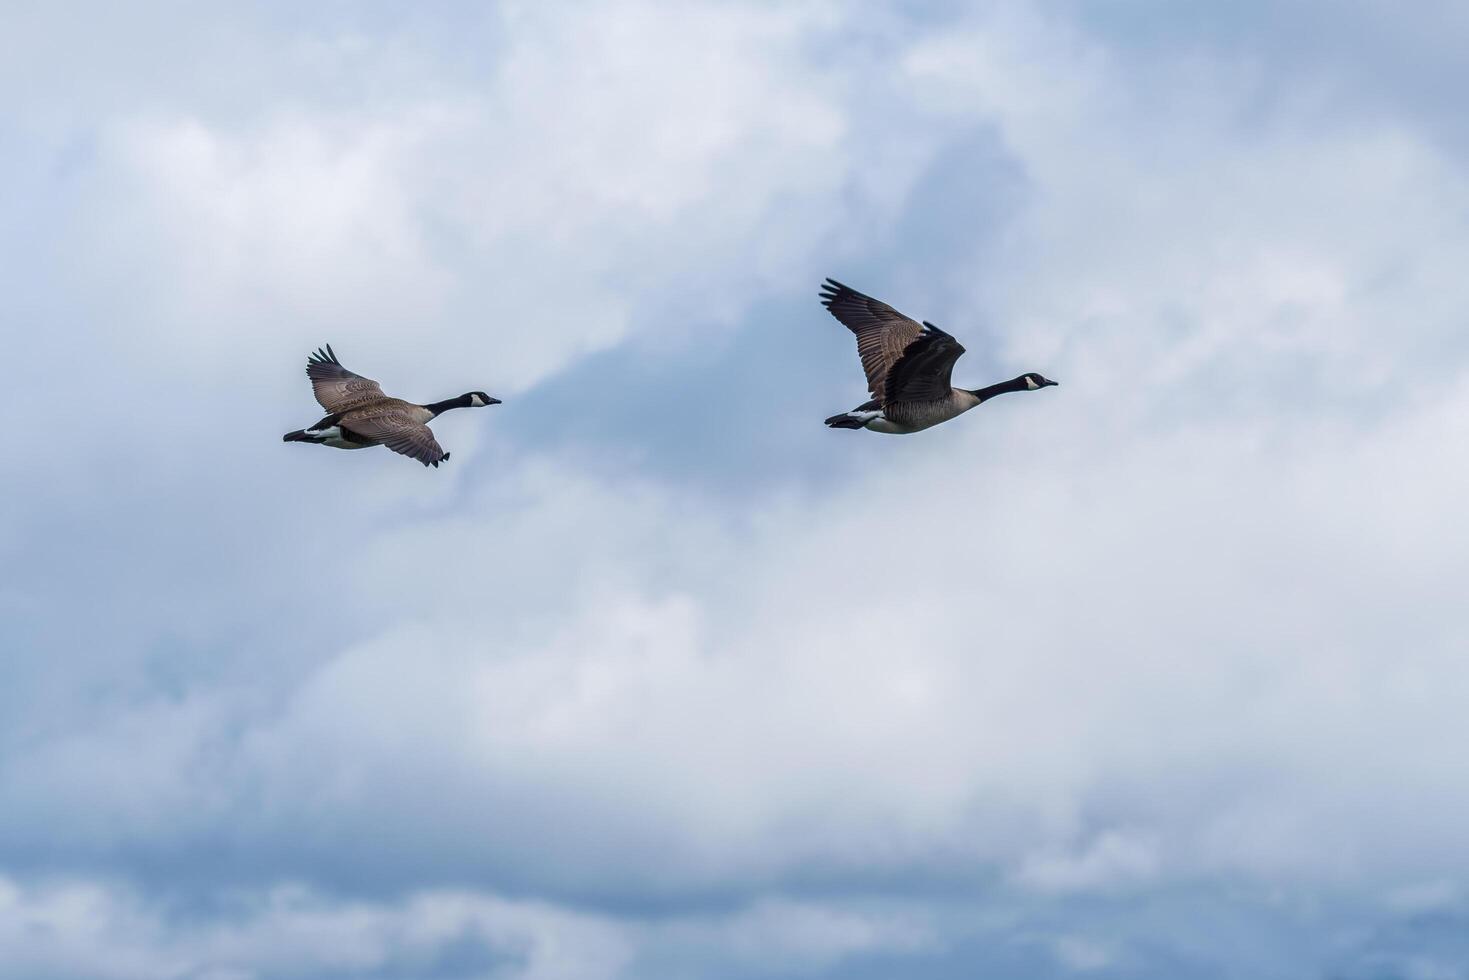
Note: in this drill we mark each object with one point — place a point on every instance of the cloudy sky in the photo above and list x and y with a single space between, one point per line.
1161 673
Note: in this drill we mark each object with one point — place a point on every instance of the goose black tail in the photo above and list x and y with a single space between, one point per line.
298 436
845 421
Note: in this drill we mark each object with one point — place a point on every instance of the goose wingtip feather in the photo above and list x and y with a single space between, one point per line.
323 355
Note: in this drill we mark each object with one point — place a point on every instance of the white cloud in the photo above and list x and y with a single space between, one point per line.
1081 954
606 177
1112 858
78 928
75 927
792 937
733 703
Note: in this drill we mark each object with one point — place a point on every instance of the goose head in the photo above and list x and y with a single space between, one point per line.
1034 381
478 399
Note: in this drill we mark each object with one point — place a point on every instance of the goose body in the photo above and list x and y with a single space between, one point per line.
908 366
361 415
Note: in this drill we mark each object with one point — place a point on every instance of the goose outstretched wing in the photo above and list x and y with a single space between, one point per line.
924 370
336 388
883 334
400 433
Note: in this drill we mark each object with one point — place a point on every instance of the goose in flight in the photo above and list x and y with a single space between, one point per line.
360 415
908 366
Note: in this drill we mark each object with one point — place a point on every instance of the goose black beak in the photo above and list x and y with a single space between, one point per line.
1051 384
494 401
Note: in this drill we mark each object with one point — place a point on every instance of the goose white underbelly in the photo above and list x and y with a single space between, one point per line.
882 424
332 436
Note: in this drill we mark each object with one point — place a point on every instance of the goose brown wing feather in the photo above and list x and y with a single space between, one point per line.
883 334
337 389
398 431
924 371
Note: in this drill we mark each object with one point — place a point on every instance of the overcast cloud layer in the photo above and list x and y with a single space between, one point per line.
1157 674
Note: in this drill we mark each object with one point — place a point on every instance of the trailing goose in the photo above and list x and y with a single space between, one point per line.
360 415
908 366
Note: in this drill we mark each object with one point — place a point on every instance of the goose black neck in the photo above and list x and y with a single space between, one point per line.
1014 384
439 408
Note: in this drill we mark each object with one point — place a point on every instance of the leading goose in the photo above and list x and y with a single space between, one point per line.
908 366
360 415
